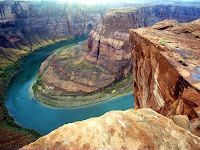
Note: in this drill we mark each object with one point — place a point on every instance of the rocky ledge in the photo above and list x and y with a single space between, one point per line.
130 129
166 62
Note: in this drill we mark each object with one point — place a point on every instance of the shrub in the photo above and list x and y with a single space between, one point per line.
39 80
163 42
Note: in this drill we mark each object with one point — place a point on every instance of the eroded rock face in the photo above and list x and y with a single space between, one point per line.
53 19
68 72
182 121
26 26
109 41
130 129
166 59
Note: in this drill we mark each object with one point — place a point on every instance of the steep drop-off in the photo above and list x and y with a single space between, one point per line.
26 26
108 54
130 129
166 63
109 41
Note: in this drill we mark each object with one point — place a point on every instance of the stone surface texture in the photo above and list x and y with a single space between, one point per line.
130 129
182 121
166 59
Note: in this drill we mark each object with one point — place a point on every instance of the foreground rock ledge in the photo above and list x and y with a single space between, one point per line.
130 129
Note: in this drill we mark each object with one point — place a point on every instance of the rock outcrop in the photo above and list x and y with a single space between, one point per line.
109 41
182 121
67 78
68 72
130 129
26 26
166 67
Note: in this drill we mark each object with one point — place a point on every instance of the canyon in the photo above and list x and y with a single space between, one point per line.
27 26
166 68
106 57
164 59
109 40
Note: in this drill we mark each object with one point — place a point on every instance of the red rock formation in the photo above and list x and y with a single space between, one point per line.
109 42
130 129
68 72
166 60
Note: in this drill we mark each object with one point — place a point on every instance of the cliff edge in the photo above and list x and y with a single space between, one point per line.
166 62
130 129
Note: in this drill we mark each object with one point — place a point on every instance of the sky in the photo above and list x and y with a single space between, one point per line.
113 1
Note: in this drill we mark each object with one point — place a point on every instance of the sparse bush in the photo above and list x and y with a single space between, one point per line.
163 42
39 80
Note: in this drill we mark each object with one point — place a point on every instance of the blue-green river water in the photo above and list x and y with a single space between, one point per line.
30 113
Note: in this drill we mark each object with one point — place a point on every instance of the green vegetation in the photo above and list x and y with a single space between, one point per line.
6 73
39 80
72 100
10 55
163 42
5 76
8 121
72 59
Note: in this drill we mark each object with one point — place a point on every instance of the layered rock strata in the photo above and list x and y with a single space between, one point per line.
26 26
109 41
166 65
68 72
130 129
108 49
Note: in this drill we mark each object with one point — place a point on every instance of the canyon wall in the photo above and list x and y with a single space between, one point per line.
166 65
130 129
108 57
109 41
26 26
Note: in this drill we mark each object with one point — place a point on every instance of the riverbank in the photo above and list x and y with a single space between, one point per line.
123 86
13 133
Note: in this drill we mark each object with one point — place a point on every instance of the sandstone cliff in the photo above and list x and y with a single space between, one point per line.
68 72
166 64
67 78
26 26
130 129
109 42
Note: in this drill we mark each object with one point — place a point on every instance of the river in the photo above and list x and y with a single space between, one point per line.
30 113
